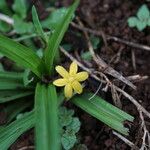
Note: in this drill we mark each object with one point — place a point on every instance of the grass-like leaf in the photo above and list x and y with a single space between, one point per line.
11 85
11 80
46 113
9 95
11 75
56 37
12 109
21 55
116 112
37 24
103 111
10 133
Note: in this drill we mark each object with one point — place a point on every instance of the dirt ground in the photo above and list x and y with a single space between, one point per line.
110 16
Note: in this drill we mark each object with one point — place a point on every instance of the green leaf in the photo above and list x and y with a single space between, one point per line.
12 80
56 37
9 95
6 84
10 133
39 52
37 25
11 85
4 8
148 22
95 41
61 98
22 27
20 8
143 12
74 126
132 21
27 77
54 19
11 75
67 47
70 126
21 55
141 25
1 66
46 113
109 108
4 27
13 109
86 56
103 111
68 141
65 116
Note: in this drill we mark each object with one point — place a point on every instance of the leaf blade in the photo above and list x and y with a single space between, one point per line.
21 55
143 12
56 37
100 114
46 113
11 132
10 95
20 8
116 112
13 109
37 24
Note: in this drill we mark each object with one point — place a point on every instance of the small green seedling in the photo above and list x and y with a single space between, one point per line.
70 127
142 20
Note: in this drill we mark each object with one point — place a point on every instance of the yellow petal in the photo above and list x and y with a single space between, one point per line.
68 91
77 87
60 82
81 76
62 71
73 68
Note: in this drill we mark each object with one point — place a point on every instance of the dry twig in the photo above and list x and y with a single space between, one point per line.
26 148
133 59
146 134
126 141
6 19
137 78
113 38
102 64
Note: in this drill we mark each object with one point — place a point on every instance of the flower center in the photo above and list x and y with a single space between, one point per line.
71 79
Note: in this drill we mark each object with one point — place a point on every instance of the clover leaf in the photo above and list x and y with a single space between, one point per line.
68 141
142 20
143 12
20 8
65 116
70 127
21 26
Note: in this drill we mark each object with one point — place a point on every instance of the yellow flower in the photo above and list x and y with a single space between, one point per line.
71 80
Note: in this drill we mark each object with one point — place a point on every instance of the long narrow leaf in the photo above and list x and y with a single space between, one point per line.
21 55
108 108
46 113
98 101
9 95
102 113
56 37
10 133
11 85
37 24
11 75
12 109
